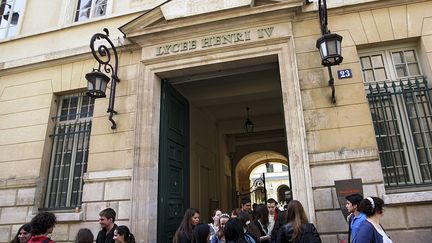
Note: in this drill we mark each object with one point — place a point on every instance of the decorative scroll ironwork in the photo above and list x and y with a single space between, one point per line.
102 54
322 9
258 184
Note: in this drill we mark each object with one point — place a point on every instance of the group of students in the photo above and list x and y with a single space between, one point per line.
267 224
245 226
42 225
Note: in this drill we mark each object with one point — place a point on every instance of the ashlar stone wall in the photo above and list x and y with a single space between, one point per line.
340 137
27 103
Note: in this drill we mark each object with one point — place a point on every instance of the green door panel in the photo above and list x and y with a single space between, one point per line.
173 191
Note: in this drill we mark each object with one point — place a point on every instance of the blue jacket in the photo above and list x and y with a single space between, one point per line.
355 223
367 234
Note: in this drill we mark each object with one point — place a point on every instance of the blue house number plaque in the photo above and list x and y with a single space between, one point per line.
344 73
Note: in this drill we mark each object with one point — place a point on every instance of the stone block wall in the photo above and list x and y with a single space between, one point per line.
26 107
340 137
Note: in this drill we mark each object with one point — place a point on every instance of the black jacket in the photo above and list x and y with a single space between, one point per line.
309 234
103 237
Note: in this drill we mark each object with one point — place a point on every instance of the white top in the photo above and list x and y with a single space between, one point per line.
385 237
271 224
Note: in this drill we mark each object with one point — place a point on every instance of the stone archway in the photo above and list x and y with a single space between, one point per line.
251 161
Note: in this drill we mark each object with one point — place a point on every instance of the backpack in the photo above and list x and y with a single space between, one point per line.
309 234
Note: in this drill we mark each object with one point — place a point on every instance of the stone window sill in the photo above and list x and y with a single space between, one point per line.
408 197
64 217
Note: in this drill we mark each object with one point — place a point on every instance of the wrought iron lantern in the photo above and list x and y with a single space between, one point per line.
248 125
97 81
329 45
330 49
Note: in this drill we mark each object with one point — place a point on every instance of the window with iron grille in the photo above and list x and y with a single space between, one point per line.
401 107
88 9
70 151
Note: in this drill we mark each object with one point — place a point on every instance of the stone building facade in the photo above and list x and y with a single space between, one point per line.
213 58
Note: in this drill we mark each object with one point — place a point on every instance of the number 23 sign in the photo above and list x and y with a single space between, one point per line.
344 73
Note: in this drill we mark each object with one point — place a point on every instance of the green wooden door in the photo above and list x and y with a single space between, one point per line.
173 191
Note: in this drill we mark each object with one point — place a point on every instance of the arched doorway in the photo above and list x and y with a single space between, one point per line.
269 166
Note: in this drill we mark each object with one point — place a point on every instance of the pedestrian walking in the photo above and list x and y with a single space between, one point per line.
371 231
355 218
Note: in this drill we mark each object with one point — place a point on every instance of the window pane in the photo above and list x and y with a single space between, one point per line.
73 108
380 74
413 69
366 63
83 10
10 12
377 61
2 31
100 8
12 30
397 57
368 75
410 56
401 71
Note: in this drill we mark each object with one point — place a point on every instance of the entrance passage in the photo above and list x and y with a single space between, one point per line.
212 137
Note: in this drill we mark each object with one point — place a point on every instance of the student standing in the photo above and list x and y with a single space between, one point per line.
355 218
297 229
42 225
184 232
106 221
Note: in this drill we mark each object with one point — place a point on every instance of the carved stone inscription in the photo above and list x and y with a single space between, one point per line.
217 40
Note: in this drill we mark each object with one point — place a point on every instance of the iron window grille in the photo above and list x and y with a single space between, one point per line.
69 152
402 118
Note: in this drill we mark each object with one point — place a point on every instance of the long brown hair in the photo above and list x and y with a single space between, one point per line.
297 217
185 227
261 213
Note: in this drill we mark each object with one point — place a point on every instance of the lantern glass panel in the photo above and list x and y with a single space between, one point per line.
323 50
339 48
90 85
331 45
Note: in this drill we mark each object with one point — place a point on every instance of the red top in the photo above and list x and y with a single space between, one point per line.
40 239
